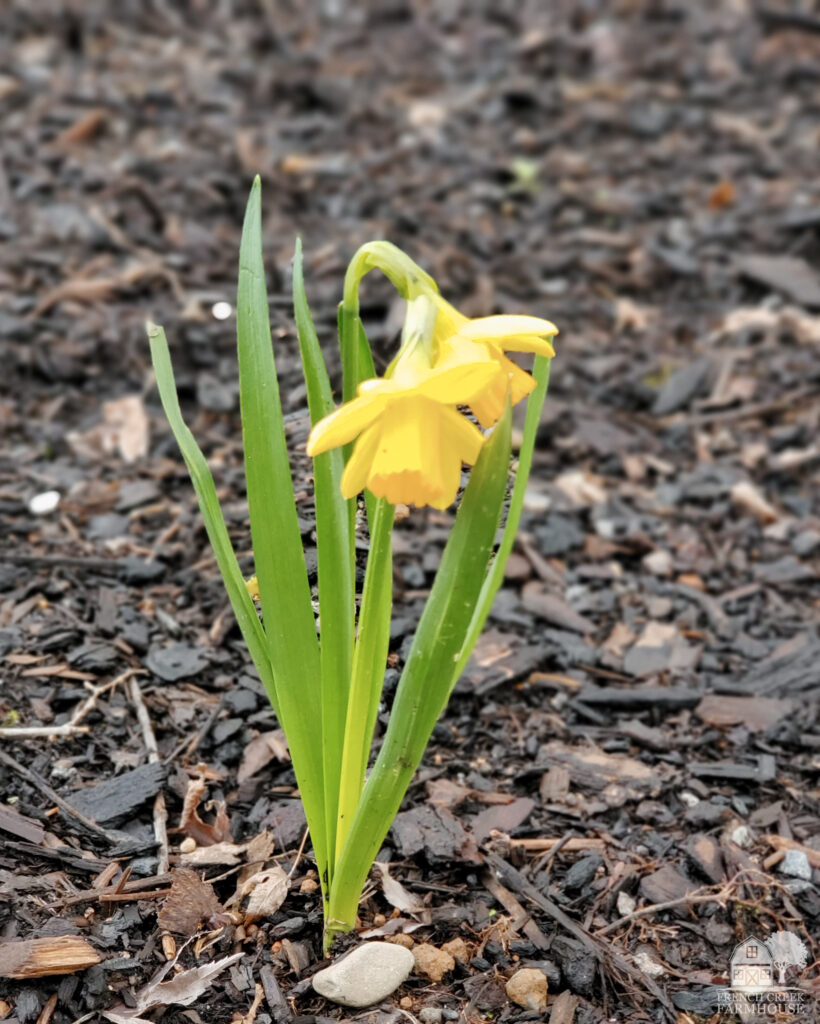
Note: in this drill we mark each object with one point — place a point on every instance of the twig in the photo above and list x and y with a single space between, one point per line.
299 853
250 1016
160 810
750 411
655 908
131 888
86 824
113 565
521 919
72 726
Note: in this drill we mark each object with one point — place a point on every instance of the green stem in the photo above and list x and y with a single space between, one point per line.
369 657
495 577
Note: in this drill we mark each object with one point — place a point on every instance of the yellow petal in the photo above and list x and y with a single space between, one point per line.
406 467
488 407
463 436
357 470
448 319
521 383
459 383
345 423
498 328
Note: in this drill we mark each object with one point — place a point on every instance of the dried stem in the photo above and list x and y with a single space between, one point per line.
150 741
72 727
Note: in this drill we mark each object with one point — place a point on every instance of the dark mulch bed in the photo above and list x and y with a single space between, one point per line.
641 720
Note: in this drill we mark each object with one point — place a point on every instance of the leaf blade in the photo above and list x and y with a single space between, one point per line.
203 483
277 544
336 570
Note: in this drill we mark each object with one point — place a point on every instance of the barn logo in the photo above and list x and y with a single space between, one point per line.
762 977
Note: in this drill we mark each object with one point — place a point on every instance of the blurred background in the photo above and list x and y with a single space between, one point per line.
642 172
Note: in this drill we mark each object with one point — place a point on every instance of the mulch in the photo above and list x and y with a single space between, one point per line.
624 785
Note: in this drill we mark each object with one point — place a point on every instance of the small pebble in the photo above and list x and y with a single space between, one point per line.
369 974
433 962
430 1015
528 988
689 798
742 837
42 504
626 903
188 845
406 1003
796 865
309 885
658 562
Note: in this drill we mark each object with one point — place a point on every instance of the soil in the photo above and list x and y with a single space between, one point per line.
624 785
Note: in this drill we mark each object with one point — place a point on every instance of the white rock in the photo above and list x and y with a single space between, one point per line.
42 504
796 865
689 798
658 562
366 976
742 837
626 903
535 501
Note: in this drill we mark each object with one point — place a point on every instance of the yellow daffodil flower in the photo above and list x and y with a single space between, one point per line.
457 338
411 438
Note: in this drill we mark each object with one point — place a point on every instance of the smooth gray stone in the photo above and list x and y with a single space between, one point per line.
366 976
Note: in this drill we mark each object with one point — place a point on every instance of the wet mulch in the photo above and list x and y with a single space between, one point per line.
625 783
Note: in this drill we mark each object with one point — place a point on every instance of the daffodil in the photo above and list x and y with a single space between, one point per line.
412 440
458 338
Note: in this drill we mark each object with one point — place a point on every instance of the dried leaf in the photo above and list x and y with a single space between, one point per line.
182 990
629 316
267 889
125 430
581 488
225 854
745 494
260 751
191 824
82 130
190 903
395 893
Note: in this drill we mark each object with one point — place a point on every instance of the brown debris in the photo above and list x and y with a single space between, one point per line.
190 902
756 713
433 962
39 958
190 822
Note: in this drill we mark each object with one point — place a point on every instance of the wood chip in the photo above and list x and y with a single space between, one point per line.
756 713
39 958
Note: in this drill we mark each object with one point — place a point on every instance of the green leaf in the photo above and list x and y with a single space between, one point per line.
495 577
337 584
277 545
203 482
427 679
369 663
